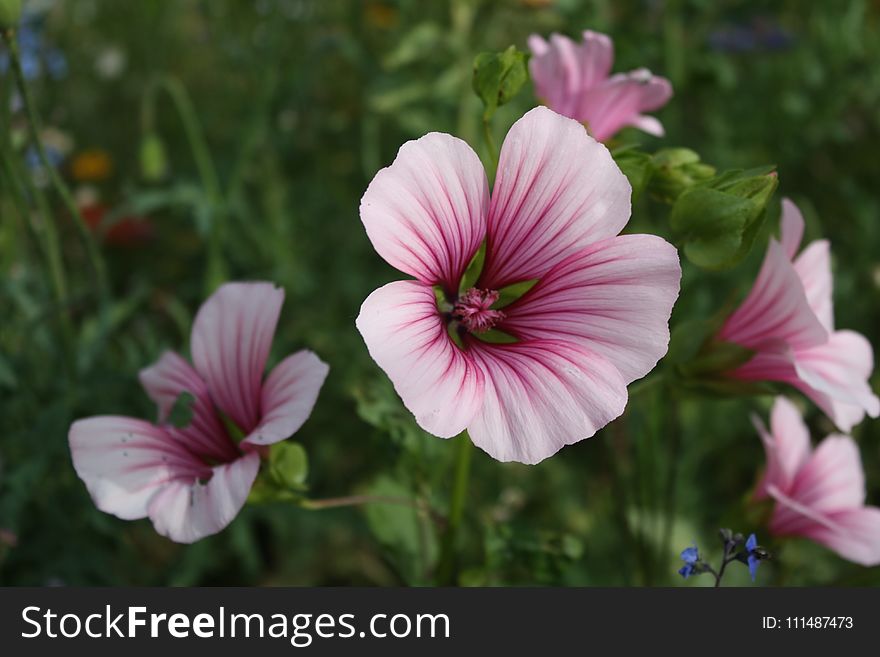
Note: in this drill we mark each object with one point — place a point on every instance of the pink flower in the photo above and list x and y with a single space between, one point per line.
596 320
787 319
819 494
573 79
192 481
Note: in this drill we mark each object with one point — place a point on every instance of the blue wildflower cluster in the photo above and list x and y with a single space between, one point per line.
38 56
736 548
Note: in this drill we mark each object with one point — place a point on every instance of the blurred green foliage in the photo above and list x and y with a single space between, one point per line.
297 104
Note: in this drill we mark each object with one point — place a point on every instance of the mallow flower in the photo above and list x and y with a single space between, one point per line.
575 80
191 479
551 368
787 319
819 493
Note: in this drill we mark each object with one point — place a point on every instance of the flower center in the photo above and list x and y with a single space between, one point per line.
472 310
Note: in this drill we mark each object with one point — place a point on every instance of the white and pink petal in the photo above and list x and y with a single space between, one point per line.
557 190
288 397
621 101
776 309
541 396
231 339
124 462
187 510
165 381
407 337
787 446
426 213
614 298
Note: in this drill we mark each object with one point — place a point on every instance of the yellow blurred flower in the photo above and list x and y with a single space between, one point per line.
381 15
91 165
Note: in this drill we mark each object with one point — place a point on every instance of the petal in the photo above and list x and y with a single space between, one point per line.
289 395
853 533
775 309
124 462
231 338
557 190
833 478
186 511
649 125
835 375
621 100
541 396
426 213
164 382
595 56
555 68
613 298
791 228
407 338
813 267
787 446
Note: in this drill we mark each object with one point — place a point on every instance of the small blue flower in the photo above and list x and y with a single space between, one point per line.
753 558
690 556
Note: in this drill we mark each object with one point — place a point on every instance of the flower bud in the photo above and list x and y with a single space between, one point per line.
10 13
153 160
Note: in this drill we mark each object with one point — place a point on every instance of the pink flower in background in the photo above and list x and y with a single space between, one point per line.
596 320
788 320
819 494
192 481
573 79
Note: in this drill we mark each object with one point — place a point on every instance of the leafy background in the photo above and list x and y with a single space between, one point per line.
301 102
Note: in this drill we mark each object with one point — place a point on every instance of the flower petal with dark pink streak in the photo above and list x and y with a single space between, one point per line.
557 190
186 511
613 298
231 339
288 397
540 396
426 213
125 462
408 339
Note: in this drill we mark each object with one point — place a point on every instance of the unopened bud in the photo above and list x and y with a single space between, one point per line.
153 160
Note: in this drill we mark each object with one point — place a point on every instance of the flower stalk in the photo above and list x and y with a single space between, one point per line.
95 259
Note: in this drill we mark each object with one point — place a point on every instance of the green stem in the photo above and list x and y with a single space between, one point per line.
447 568
360 500
208 176
490 142
94 255
673 431
46 238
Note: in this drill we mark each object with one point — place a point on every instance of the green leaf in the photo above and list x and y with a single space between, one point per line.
717 221
498 77
419 43
507 295
637 167
10 13
676 170
403 530
181 413
474 269
288 465
494 336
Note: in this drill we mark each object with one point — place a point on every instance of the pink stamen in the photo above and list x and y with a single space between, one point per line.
473 310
